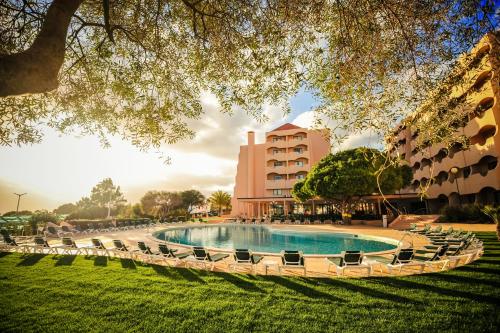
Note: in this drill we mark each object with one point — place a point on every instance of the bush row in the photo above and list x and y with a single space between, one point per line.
466 213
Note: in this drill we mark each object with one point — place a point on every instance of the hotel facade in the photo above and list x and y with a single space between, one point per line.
461 174
267 171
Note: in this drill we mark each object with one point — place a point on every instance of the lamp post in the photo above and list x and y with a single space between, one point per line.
18 200
454 172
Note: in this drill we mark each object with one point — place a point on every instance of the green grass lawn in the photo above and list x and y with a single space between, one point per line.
67 293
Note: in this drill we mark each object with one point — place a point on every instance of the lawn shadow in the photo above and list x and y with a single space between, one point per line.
472 268
371 292
31 259
4 254
490 255
240 282
188 274
101 261
301 289
178 272
453 278
65 260
400 283
128 263
488 261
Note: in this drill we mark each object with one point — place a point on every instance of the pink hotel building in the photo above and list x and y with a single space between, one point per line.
267 171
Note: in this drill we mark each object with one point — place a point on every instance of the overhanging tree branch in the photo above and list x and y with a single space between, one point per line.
35 70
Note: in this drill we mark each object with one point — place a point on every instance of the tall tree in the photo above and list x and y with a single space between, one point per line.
106 194
220 200
160 203
345 176
192 199
300 192
66 208
137 68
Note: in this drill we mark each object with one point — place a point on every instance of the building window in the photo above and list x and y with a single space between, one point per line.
278 138
276 151
299 163
298 150
278 192
278 177
298 137
301 176
278 163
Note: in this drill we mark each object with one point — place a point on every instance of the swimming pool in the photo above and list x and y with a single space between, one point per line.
268 239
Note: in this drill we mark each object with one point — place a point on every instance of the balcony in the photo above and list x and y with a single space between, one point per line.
292 182
475 124
276 184
278 144
276 169
271 184
278 156
297 168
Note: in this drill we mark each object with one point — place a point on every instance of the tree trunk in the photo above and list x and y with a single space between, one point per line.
35 70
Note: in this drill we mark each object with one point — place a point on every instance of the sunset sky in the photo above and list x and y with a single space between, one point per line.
63 168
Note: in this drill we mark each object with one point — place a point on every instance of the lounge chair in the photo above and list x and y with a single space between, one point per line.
245 257
430 257
348 259
121 250
444 233
103 227
436 230
97 246
42 245
69 245
52 232
328 222
426 228
145 252
91 229
67 231
277 221
297 221
204 256
317 222
307 221
287 221
293 259
454 239
413 226
402 258
10 243
169 253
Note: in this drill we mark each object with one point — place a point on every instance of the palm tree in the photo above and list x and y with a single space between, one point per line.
220 200
494 213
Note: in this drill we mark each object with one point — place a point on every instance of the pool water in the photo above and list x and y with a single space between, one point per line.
268 239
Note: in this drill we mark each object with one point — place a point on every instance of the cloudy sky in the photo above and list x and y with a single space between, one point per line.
62 169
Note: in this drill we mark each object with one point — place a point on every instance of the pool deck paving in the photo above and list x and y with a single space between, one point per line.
316 265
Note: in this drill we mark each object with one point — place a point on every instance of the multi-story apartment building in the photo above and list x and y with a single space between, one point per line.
458 174
267 171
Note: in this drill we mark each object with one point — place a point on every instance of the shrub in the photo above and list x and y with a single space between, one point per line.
466 213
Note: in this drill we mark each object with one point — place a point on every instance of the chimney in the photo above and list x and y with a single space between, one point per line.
251 138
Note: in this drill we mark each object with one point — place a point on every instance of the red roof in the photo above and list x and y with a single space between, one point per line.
286 126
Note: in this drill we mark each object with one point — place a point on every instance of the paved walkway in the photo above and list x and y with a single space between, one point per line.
316 265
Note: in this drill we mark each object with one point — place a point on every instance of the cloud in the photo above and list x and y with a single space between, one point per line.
219 134
366 138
